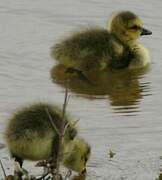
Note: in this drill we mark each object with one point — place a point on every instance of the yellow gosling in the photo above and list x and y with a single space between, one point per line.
116 47
30 136
78 156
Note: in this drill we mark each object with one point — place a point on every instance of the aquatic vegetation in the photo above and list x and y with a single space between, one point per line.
111 154
116 47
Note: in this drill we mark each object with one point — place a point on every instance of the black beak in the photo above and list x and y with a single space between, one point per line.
84 171
145 32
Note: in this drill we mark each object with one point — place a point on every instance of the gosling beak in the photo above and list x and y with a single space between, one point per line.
145 32
84 171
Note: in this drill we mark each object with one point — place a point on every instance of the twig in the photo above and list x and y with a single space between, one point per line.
43 176
3 169
61 131
56 157
48 178
45 165
53 124
75 122
65 103
68 174
68 98
65 128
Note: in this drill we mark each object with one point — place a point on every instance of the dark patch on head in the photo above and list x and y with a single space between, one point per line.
36 119
127 16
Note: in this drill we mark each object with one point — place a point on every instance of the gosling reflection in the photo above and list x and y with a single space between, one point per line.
123 88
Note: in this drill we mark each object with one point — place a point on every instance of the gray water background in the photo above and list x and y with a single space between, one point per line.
28 30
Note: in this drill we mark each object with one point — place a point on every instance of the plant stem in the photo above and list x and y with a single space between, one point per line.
61 134
3 169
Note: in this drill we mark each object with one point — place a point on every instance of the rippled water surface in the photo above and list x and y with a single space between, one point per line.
119 111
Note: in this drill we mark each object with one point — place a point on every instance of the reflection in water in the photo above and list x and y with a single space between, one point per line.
122 87
2 146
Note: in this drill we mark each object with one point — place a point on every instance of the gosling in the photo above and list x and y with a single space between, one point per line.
100 48
31 136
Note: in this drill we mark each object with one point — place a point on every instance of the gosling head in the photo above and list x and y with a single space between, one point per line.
127 27
77 155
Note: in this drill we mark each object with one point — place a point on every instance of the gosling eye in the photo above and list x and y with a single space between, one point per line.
135 27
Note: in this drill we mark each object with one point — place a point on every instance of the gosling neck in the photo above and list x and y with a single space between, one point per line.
131 44
126 43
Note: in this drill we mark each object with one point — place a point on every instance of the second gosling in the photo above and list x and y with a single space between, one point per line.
30 136
116 47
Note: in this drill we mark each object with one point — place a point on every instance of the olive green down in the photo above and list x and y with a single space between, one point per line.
30 135
115 46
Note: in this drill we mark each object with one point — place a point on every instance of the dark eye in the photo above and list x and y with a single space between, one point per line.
135 27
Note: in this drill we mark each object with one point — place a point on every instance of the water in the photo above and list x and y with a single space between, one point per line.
122 113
